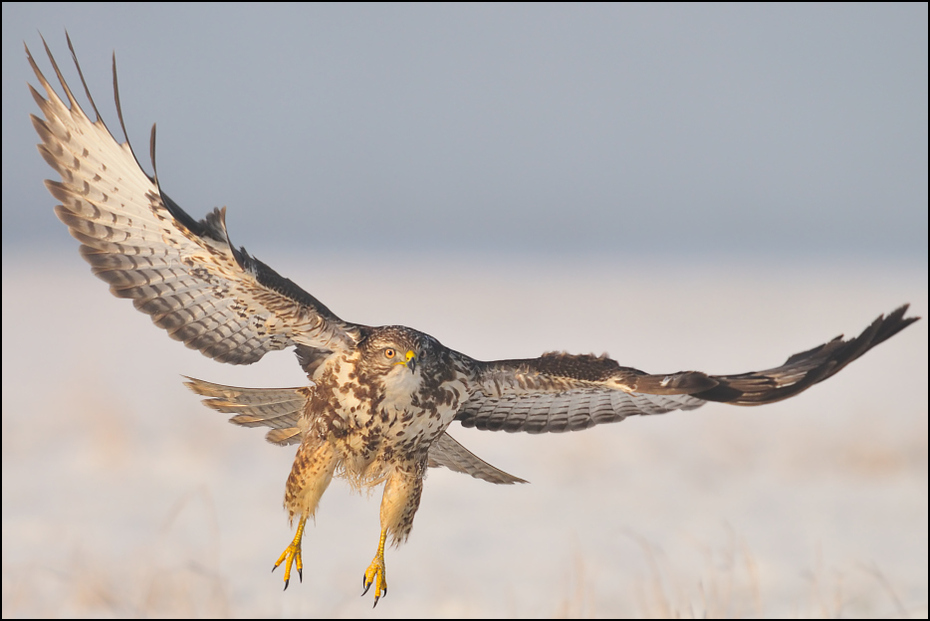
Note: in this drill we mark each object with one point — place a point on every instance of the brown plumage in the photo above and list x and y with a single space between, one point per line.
382 398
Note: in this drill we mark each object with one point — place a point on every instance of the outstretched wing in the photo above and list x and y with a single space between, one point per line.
561 392
182 272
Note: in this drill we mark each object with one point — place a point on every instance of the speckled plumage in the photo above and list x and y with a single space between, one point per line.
382 398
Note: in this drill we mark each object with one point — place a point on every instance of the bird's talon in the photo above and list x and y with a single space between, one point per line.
375 575
291 557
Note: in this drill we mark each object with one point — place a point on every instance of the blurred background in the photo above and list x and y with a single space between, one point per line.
707 187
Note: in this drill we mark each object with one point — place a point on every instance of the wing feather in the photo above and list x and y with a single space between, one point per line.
446 451
182 272
560 392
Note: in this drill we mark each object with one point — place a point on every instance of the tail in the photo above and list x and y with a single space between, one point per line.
279 408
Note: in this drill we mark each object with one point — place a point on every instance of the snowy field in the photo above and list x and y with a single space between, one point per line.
123 496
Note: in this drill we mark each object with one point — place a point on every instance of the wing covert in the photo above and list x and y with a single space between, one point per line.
182 272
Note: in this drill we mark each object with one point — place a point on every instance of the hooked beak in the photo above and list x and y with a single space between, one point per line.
411 362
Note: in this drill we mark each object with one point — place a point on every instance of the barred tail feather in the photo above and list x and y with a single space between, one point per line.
279 408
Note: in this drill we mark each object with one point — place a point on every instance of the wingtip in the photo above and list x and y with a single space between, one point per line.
901 311
152 156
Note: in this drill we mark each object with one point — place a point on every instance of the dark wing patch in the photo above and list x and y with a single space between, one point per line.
182 272
561 392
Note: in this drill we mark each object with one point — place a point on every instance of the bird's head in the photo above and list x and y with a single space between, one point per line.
391 347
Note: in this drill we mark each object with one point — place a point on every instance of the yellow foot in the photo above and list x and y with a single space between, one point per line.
291 555
375 573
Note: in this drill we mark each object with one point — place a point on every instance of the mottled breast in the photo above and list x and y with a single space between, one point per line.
389 399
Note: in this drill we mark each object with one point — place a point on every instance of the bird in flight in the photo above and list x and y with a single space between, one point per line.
381 398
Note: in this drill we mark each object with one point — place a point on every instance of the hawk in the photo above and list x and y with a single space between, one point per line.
381 398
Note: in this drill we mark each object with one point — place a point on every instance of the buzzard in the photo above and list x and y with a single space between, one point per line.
382 397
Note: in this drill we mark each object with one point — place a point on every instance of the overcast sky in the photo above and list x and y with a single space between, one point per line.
762 132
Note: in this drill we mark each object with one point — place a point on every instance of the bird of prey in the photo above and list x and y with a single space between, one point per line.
381 398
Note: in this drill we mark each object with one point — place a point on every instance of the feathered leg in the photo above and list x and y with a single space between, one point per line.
310 476
398 506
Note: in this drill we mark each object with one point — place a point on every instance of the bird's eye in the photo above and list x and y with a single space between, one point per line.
390 352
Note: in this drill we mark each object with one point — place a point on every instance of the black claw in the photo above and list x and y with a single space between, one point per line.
376 602
286 582
273 568
365 585
300 572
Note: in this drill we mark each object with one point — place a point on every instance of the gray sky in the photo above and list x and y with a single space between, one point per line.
756 132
